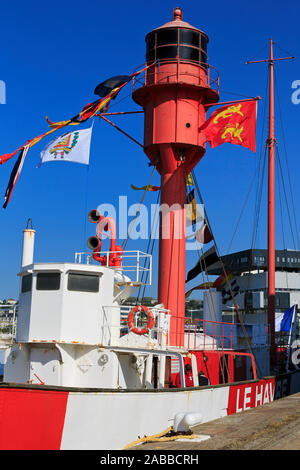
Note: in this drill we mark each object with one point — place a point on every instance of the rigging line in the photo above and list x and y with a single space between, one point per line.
259 184
283 185
147 249
283 50
262 148
204 270
280 206
224 271
202 262
235 94
137 212
242 212
151 252
281 215
213 315
263 48
120 130
286 156
256 219
171 256
85 205
258 202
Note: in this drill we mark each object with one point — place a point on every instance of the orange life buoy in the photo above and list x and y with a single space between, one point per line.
130 319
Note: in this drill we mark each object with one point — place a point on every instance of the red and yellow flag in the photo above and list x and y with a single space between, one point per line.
235 123
148 187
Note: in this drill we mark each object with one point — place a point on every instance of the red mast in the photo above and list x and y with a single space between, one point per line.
271 210
177 87
271 202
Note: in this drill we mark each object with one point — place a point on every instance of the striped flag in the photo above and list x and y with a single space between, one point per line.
209 259
203 286
15 175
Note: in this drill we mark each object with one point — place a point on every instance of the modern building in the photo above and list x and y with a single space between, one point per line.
250 283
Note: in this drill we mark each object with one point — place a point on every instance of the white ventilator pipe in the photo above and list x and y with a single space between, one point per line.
212 314
148 372
28 247
163 327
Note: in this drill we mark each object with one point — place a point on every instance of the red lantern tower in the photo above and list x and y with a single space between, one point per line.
177 87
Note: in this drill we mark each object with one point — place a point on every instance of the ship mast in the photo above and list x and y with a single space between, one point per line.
271 209
271 202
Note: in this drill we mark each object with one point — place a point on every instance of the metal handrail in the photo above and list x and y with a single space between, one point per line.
211 80
137 268
219 333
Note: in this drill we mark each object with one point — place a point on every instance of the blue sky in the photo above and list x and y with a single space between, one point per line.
52 57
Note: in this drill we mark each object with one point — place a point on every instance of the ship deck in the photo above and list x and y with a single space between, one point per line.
273 426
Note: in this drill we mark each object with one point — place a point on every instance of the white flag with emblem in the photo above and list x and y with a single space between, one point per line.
71 147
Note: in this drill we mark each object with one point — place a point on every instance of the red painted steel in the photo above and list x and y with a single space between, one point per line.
271 212
245 396
173 97
31 419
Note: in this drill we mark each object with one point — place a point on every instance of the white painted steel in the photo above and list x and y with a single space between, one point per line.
184 421
111 420
28 247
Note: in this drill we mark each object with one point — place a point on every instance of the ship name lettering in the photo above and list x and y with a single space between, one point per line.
249 397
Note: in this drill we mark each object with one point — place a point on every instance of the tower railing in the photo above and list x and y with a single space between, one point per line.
202 74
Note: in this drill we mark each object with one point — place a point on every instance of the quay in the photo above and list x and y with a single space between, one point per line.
273 426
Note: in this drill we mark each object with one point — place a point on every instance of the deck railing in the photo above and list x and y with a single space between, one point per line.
224 335
136 265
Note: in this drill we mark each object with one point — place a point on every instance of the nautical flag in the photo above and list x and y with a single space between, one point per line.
86 113
104 88
209 259
230 293
15 175
284 321
150 187
221 280
192 212
7 156
71 147
203 235
189 180
235 124
204 285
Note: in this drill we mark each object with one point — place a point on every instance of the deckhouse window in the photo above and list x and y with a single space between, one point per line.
83 282
48 281
26 283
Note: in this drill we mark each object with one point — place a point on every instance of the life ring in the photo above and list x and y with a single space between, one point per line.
131 316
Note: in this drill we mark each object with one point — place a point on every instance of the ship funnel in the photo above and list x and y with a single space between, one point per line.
28 244
94 216
93 243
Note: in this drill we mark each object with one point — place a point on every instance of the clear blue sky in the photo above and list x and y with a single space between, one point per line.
53 54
